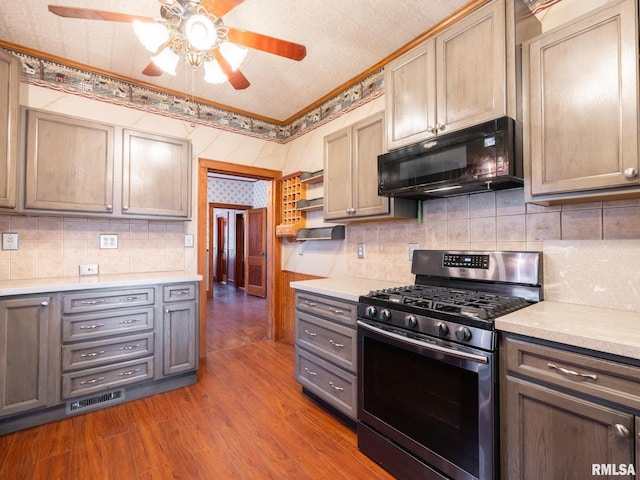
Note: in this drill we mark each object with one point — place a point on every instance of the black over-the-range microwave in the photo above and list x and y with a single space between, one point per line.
481 158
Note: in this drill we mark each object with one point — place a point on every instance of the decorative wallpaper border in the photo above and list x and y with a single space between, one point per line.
74 81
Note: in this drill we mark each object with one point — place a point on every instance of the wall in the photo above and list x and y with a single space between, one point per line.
55 246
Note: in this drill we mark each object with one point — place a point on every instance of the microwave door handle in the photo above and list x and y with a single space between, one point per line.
435 348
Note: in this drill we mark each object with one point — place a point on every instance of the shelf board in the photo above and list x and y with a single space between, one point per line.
312 177
335 232
304 205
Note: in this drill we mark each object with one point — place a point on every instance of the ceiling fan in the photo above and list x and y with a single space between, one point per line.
193 30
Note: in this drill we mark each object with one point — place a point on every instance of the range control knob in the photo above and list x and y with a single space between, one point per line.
385 315
442 329
370 311
410 321
463 334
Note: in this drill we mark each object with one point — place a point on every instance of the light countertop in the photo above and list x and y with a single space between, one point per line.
346 288
601 329
44 285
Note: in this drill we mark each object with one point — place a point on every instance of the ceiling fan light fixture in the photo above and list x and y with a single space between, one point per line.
200 32
213 73
151 35
167 60
233 54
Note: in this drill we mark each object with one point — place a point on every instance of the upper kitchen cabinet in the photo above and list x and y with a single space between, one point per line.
79 167
156 178
69 164
463 76
9 91
351 178
581 107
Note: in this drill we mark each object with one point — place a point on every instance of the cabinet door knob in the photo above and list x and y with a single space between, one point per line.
621 430
45 303
441 127
630 172
109 207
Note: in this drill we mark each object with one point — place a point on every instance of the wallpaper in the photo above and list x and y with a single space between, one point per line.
237 192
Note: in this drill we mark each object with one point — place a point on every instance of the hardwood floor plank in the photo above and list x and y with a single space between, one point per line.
23 455
53 467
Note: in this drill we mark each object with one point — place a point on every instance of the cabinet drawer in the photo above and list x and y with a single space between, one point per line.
85 327
332 308
179 292
93 354
330 383
604 379
336 343
93 380
101 299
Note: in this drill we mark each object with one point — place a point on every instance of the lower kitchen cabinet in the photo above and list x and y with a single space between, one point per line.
326 343
25 347
69 352
566 414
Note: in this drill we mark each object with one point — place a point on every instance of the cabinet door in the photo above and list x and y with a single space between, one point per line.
180 337
24 339
471 69
9 68
410 85
69 164
582 103
368 143
156 178
550 434
337 174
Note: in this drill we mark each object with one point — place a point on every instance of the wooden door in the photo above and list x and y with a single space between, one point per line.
256 269
240 241
410 83
582 103
471 69
9 118
24 354
221 248
337 174
550 434
368 143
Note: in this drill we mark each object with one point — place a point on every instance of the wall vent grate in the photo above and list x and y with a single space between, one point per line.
97 401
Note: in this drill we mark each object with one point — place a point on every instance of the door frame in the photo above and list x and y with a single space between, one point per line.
274 249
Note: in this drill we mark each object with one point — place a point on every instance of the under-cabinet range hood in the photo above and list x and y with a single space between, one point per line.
481 158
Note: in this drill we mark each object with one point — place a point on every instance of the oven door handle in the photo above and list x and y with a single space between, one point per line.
436 348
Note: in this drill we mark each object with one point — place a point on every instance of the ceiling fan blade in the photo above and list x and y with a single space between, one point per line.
152 70
220 7
90 14
235 77
283 48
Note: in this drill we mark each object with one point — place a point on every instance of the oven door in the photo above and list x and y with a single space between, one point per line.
436 400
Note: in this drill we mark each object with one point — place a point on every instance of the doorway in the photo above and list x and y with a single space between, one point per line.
272 255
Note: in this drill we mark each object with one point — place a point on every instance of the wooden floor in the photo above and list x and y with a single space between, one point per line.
246 418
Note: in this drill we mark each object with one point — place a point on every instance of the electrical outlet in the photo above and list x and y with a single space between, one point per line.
10 241
108 241
361 250
412 248
89 269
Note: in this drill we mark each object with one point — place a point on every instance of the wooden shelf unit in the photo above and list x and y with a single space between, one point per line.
292 219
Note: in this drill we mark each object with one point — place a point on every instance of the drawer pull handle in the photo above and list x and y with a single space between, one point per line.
621 430
127 322
93 380
129 373
310 304
91 302
336 344
310 372
180 292
311 334
336 311
91 327
92 354
572 373
130 299
130 347
335 387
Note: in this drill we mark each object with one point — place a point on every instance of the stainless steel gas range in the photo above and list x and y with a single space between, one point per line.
427 362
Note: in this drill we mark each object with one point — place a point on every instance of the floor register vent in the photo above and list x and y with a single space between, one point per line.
97 401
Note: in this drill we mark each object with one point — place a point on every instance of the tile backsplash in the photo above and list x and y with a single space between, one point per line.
51 247
485 221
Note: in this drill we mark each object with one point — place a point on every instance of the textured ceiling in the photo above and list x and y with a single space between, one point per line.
344 38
